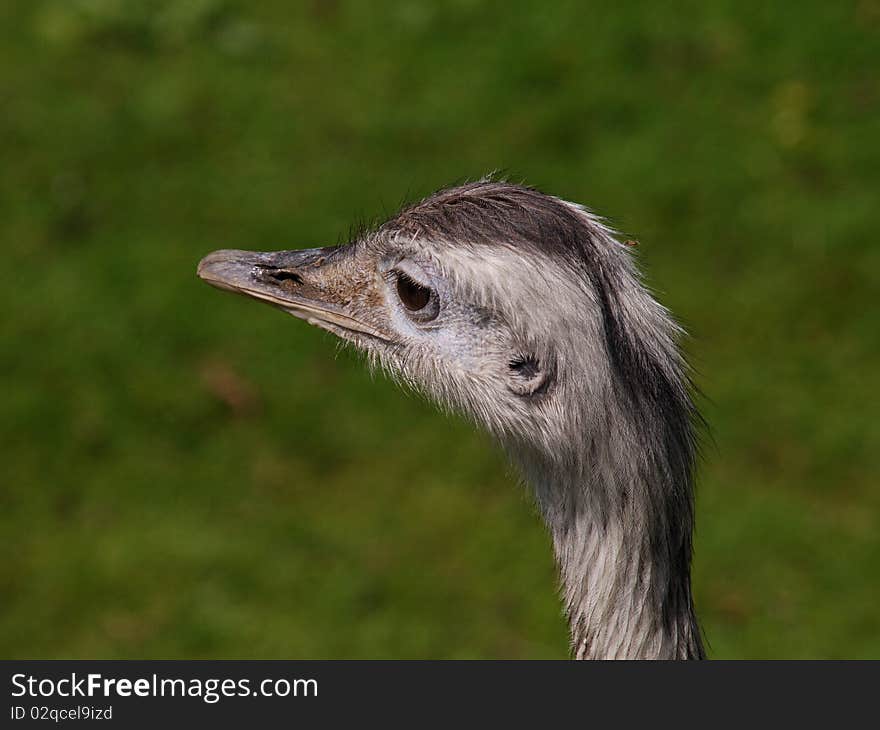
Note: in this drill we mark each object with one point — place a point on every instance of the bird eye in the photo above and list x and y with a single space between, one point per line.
414 296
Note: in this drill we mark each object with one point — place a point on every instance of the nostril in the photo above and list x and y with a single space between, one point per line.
282 275
278 275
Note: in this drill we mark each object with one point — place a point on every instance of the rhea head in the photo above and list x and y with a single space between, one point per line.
525 314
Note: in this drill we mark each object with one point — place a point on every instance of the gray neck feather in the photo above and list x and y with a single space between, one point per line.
618 498
625 584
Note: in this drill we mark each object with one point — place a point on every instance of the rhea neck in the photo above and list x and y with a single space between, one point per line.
619 511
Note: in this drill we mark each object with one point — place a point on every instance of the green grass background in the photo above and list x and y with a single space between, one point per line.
188 474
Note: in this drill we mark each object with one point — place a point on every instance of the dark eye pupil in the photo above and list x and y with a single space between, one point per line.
414 296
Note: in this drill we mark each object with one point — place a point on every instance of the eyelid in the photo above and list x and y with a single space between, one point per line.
396 272
420 272
406 277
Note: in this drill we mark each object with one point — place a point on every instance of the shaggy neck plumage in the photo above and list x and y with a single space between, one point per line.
619 501
624 570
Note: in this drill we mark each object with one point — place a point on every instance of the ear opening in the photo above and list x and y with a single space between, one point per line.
526 376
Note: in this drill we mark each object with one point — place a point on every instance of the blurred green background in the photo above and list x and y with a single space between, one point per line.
190 475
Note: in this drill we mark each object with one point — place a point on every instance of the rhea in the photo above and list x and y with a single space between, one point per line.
526 314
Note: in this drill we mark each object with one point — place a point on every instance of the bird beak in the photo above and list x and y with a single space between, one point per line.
309 284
